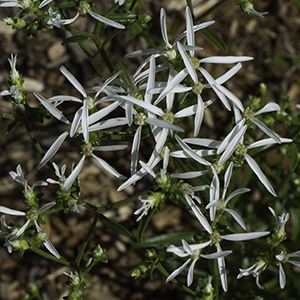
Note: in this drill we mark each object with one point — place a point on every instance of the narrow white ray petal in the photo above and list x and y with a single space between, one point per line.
11 212
164 124
235 100
39 183
110 148
110 123
227 178
187 247
76 121
295 263
225 59
176 80
266 130
190 275
108 168
230 73
135 150
244 236
166 159
232 145
45 207
237 217
199 246
266 142
51 108
21 230
199 115
44 3
187 175
182 154
222 269
84 121
163 26
216 254
213 84
47 242
201 218
237 192
282 279
237 114
141 53
190 152
258 172
195 28
177 271
210 143
97 116
74 174
134 178
229 138
107 82
73 81
147 168
190 37
53 149
187 62
269 107
63 98
295 254
106 20
188 111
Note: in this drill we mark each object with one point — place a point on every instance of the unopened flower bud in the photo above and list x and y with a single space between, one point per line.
138 271
38 239
15 22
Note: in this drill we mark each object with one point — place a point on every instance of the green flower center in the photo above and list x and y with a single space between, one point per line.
215 237
140 119
240 150
195 62
168 117
197 88
248 114
31 215
87 149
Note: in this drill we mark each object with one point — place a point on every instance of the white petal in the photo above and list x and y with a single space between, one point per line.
84 121
203 142
216 254
147 168
110 148
236 101
53 149
244 236
295 263
51 108
76 121
11 212
45 207
237 217
187 175
163 26
295 254
261 176
73 81
187 62
229 74
164 124
97 116
74 174
199 115
225 59
177 271
222 269
266 142
282 279
266 130
105 20
227 178
135 150
108 168
237 192
190 274
269 107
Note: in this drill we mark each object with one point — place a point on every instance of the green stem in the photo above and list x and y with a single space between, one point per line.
210 10
51 257
85 242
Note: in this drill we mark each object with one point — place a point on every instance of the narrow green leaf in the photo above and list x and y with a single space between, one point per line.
294 156
215 38
282 61
6 116
66 3
114 226
10 127
143 224
75 39
168 238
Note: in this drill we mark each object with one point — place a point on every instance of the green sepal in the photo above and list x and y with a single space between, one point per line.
143 224
125 75
215 38
6 116
294 156
169 238
114 226
75 39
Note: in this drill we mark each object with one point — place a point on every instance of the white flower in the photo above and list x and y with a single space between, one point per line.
283 257
60 174
55 19
193 252
280 221
120 2
31 215
249 115
254 270
219 204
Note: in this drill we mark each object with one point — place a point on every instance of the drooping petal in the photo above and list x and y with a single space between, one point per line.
266 130
106 20
177 271
244 236
74 174
258 172
237 217
282 279
12 212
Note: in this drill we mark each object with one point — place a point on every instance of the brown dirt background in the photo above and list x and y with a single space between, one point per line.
39 60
